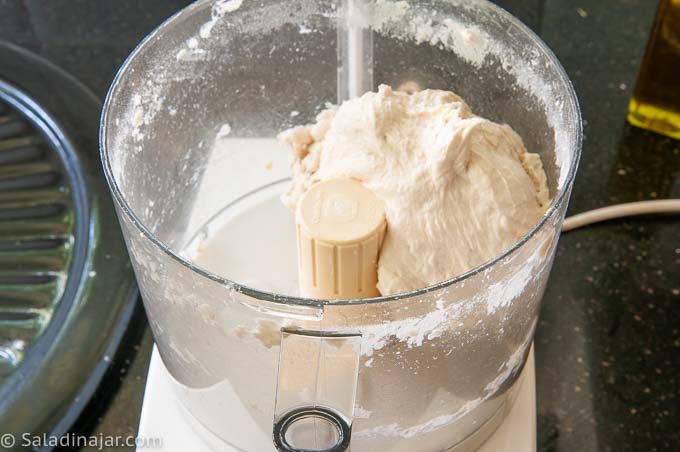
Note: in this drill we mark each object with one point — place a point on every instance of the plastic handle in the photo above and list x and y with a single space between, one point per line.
316 390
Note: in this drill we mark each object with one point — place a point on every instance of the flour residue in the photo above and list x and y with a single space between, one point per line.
411 331
473 44
219 9
361 413
512 365
508 369
394 430
396 20
223 7
224 131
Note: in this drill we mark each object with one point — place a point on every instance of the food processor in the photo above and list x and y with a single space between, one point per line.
189 150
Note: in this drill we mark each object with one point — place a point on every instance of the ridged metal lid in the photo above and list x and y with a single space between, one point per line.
67 290
36 235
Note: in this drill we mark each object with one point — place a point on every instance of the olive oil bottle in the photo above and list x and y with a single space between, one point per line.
655 104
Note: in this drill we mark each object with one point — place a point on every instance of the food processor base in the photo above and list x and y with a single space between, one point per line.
163 417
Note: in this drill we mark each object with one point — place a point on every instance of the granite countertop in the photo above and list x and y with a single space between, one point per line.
608 340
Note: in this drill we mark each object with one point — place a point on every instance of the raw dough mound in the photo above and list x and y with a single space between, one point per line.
458 189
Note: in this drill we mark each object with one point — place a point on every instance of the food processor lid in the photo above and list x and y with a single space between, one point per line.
353 45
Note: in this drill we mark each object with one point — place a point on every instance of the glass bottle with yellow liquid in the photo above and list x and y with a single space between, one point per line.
655 104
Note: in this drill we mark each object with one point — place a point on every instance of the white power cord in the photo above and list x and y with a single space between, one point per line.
621 210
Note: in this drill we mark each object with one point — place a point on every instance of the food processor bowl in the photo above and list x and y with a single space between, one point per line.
189 151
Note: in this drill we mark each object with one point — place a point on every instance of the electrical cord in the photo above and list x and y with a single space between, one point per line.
621 210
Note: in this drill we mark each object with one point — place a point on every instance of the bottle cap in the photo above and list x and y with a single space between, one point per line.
340 228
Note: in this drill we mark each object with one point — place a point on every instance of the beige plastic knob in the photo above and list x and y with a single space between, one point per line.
340 228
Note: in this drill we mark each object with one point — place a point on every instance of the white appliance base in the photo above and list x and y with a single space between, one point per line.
163 417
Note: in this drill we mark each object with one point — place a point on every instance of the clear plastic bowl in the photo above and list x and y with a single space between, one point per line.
254 366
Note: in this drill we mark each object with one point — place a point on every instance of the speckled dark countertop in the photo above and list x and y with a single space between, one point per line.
608 341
